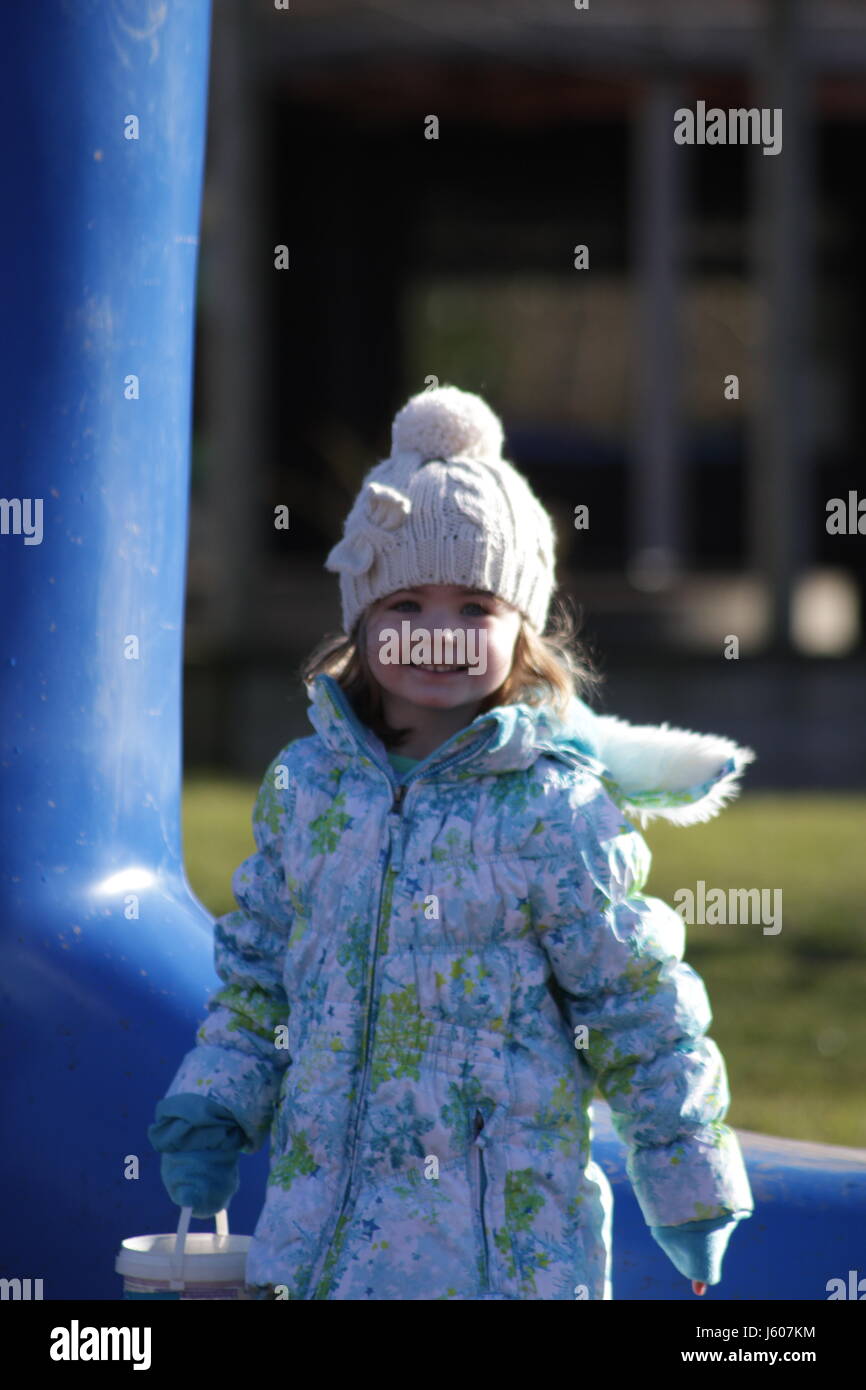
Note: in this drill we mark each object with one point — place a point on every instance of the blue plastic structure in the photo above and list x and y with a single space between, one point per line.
105 954
806 1238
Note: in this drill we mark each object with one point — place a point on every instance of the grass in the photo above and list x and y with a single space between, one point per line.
788 1010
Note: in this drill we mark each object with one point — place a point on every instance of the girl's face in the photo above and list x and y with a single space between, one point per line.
484 632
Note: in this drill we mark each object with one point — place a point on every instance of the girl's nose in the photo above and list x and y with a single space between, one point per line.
448 630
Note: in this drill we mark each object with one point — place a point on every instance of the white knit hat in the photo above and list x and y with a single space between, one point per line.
446 508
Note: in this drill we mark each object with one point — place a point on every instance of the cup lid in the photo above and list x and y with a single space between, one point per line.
208 1258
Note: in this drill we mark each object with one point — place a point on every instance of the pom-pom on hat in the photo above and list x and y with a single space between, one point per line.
446 508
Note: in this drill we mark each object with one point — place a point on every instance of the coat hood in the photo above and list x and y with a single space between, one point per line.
650 770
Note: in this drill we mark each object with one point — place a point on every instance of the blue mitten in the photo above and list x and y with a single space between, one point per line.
204 1181
697 1248
200 1141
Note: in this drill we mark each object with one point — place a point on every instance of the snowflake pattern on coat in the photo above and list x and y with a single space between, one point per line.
402 985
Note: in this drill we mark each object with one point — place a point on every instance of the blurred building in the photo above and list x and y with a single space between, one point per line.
453 258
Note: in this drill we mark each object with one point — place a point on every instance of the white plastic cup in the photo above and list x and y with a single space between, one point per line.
203 1265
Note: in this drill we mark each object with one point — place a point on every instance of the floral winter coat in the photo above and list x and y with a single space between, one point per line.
423 986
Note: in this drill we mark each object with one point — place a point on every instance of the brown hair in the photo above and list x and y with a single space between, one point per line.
546 669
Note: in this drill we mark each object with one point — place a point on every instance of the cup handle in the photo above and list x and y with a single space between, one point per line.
177 1254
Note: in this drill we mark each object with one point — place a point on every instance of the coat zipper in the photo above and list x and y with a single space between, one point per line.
391 871
479 1181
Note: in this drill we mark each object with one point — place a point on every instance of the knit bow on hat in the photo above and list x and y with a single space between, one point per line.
383 509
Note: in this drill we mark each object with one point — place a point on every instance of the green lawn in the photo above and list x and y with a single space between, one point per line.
789 1010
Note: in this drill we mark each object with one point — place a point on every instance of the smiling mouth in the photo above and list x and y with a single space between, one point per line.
441 670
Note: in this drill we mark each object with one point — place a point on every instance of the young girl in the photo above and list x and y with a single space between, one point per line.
441 952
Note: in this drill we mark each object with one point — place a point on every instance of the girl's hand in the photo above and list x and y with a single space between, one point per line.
698 1287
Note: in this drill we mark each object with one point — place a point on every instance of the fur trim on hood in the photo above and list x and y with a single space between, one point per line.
654 771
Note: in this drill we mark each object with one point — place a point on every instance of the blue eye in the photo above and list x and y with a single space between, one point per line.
469 604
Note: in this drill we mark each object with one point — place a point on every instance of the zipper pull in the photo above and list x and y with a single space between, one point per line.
395 830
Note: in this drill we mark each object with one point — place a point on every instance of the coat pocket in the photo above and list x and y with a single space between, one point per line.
279 1121
478 1181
